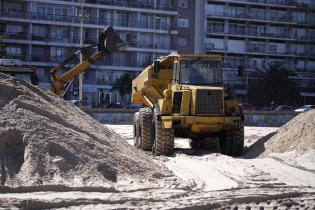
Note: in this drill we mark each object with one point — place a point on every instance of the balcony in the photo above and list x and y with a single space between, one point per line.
263 49
132 4
76 19
47 38
253 33
256 49
58 59
281 2
34 58
76 40
150 45
253 16
19 36
212 29
131 63
211 46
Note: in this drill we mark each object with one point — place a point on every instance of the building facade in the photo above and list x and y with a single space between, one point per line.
251 33
259 33
43 32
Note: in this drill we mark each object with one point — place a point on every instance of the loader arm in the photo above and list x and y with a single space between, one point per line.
82 67
108 43
60 81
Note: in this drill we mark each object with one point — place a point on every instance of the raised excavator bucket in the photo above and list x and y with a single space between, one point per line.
109 41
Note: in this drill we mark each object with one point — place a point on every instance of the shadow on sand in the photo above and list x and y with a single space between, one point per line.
254 151
258 147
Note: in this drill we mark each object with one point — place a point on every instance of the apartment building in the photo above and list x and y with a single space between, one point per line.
43 32
191 26
259 33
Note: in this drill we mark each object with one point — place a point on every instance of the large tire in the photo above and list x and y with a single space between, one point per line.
145 129
232 142
136 134
163 137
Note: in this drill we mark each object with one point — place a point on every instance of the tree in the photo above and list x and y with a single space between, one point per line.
123 85
273 85
2 45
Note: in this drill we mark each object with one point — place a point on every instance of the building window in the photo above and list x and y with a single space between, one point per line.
39 30
183 3
145 59
182 41
183 23
215 9
273 48
162 42
13 50
215 27
48 10
57 53
161 22
14 28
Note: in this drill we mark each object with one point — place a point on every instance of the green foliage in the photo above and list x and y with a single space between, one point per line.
2 45
274 85
123 84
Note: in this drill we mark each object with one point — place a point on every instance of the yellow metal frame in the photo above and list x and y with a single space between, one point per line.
202 124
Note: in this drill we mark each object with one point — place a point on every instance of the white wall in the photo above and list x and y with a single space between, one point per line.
218 43
236 45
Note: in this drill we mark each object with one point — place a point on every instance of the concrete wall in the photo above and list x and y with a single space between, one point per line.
113 118
267 118
252 118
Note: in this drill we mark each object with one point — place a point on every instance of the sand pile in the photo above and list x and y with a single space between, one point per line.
45 140
296 135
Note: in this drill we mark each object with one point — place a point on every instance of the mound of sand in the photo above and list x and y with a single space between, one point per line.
45 140
296 135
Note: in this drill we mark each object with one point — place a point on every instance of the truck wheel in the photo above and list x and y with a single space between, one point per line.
145 129
163 138
136 136
238 143
232 143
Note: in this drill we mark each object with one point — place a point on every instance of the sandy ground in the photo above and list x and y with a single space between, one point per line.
210 181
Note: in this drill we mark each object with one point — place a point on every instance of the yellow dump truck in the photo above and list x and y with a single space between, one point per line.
185 96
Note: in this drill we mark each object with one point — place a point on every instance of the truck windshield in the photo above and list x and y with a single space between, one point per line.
200 72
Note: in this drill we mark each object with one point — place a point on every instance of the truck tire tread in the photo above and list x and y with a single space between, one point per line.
164 137
233 141
146 130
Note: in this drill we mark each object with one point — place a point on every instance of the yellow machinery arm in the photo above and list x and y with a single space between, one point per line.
108 43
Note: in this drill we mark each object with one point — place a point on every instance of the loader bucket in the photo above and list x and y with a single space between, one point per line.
110 41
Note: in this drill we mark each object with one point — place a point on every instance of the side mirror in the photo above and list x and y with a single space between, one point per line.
240 71
156 66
